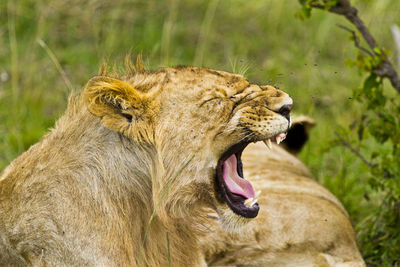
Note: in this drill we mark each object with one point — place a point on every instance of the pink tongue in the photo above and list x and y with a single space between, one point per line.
234 182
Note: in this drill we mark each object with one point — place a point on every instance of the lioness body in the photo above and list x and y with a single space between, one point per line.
123 178
300 222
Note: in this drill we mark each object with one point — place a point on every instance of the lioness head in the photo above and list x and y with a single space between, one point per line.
195 116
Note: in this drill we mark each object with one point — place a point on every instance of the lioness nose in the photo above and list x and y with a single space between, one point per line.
285 110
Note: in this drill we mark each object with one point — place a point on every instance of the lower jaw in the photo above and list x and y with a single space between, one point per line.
236 204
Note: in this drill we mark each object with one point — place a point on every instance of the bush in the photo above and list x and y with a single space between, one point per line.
378 136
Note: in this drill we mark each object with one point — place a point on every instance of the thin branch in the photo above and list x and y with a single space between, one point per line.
356 40
355 151
386 68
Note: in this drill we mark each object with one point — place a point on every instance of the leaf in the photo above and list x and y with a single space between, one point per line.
369 83
375 127
378 50
306 11
374 155
330 4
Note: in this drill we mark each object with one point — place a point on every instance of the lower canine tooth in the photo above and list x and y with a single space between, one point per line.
280 137
254 202
248 201
268 143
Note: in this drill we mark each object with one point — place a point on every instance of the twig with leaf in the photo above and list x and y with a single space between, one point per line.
353 150
385 67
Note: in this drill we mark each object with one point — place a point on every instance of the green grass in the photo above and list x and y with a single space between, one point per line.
49 47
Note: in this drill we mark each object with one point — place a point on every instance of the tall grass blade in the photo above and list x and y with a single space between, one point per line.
396 37
204 32
13 48
168 32
57 64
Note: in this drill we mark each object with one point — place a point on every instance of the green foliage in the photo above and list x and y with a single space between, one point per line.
378 131
364 63
307 6
383 124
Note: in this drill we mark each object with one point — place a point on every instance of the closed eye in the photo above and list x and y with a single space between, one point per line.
127 116
208 100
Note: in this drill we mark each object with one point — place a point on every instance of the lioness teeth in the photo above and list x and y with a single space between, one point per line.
279 138
268 143
257 193
248 201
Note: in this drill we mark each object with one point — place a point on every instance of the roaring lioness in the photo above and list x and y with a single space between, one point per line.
125 175
300 223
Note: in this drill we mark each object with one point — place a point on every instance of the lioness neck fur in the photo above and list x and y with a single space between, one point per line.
107 187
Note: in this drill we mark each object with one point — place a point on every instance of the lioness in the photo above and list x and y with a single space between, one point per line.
300 222
124 176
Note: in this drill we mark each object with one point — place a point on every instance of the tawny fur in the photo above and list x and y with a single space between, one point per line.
84 195
300 223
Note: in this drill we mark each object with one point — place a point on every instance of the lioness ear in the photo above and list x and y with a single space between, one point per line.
121 107
298 134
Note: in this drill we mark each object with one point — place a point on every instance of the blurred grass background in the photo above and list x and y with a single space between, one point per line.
49 48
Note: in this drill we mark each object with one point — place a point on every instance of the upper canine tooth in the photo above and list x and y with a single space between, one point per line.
257 193
278 139
268 143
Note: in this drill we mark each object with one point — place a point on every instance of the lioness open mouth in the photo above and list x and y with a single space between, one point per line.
231 186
